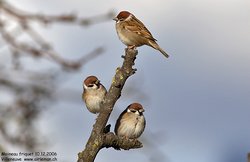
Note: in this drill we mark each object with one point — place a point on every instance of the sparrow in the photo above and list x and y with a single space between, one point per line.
133 33
93 93
131 123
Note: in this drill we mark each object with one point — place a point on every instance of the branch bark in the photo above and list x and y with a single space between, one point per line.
99 137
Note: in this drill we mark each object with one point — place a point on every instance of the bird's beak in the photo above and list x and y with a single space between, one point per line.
115 19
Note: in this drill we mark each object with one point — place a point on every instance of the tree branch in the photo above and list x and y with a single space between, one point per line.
111 140
98 138
40 52
39 47
24 16
31 90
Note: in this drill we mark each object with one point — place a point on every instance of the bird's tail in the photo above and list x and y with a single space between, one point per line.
163 52
157 47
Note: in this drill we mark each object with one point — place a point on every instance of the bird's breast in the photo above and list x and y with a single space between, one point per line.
129 38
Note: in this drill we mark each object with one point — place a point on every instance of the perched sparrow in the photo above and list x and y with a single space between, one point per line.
131 122
93 93
133 33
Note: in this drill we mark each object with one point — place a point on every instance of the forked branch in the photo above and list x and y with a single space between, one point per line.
99 137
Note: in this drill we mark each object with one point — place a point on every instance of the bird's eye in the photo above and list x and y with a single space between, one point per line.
133 111
91 85
120 20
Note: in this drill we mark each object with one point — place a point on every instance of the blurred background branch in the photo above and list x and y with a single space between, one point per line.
25 94
39 47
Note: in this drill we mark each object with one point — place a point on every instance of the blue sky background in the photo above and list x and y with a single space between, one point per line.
197 102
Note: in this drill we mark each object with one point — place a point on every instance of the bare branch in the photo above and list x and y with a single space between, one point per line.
98 139
25 17
28 91
42 49
111 140
35 52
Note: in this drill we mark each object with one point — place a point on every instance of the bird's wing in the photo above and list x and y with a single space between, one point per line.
138 27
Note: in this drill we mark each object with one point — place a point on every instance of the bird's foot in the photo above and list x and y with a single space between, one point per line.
132 47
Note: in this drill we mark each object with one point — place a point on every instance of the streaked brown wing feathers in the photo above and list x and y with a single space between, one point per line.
138 27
